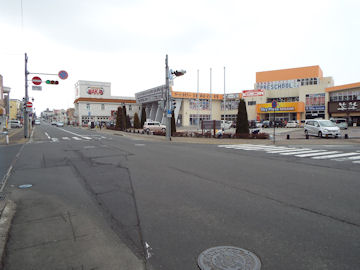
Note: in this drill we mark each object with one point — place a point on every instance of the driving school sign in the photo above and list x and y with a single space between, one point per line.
151 95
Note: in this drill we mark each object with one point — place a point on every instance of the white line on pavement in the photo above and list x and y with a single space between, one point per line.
82 136
76 138
66 138
55 139
301 151
336 156
47 135
88 138
317 154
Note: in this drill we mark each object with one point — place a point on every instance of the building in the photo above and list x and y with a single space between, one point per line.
344 102
47 115
4 105
94 103
70 115
15 109
299 92
189 108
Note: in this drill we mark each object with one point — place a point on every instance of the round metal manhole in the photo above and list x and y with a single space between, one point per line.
228 258
25 186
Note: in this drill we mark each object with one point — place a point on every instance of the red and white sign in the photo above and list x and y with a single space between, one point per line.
29 104
36 80
253 93
95 91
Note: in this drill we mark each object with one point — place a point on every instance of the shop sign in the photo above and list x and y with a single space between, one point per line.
315 108
282 107
253 93
151 95
344 106
190 95
279 109
95 91
232 96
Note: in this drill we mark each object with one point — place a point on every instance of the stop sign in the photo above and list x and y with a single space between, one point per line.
28 104
36 80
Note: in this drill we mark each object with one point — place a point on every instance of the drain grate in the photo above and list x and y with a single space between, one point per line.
228 258
25 186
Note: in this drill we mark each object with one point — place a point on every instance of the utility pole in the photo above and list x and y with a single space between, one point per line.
168 100
211 94
26 114
198 102
224 97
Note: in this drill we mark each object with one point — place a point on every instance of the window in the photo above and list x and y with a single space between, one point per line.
102 106
88 107
251 103
130 108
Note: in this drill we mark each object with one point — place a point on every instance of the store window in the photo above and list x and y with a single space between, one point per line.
194 118
251 103
204 104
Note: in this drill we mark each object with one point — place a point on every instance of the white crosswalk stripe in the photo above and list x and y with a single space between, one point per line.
319 154
76 138
88 138
66 138
55 139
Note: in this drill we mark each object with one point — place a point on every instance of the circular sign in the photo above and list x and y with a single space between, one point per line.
274 104
63 74
29 104
36 80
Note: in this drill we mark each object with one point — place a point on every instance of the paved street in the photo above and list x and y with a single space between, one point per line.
97 196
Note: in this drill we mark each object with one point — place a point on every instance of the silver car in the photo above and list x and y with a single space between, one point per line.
321 128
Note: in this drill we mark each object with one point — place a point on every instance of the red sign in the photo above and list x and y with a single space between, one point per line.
95 91
36 80
253 93
28 104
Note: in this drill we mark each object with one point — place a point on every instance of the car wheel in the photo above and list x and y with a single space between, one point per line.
163 129
147 130
320 134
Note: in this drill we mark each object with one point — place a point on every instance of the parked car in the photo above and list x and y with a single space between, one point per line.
54 123
340 122
266 124
15 124
291 124
153 126
60 124
321 128
37 122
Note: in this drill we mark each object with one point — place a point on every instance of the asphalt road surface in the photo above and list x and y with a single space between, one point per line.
170 201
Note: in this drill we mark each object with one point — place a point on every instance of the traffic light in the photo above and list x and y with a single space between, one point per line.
51 82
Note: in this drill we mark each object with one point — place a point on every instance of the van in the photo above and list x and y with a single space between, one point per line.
340 122
15 124
321 128
153 126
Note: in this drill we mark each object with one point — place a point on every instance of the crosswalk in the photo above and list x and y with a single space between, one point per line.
317 154
68 139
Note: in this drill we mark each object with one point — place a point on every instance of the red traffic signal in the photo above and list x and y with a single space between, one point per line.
51 82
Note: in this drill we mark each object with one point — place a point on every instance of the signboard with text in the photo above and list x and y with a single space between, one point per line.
151 95
344 106
253 93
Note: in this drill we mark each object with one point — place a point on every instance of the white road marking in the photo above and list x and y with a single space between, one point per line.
317 154
66 138
76 138
336 155
139 144
88 138
55 139
82 136
284 150
357 162
47 135
302 152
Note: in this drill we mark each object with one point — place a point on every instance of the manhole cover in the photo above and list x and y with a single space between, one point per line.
25 186
228 258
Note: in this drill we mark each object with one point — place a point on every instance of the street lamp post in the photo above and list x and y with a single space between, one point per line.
169 75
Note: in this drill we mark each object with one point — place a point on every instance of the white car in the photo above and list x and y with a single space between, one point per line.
37 122
226 124
292 124
15 124
60 124
321 128
153 126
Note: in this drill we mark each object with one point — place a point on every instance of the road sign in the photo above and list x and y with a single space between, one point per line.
36 80
36 87
274 104
29 104
63 74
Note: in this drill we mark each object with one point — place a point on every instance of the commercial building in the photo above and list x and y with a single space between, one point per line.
15 109
345 102
94 103
299 92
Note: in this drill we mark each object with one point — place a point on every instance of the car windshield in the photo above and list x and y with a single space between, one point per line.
327 123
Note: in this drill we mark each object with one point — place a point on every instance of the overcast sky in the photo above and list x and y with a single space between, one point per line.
125 42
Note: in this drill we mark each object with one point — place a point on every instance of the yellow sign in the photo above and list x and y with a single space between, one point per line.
191 95
282 107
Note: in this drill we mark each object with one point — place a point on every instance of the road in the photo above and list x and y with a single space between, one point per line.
293 212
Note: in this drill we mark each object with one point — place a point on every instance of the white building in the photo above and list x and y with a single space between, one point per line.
94 103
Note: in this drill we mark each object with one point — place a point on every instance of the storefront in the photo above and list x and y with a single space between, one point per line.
285 111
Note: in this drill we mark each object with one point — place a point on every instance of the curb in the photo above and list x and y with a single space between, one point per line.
8 209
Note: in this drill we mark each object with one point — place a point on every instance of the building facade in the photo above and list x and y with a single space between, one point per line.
344 102
299 92
15 109
94 103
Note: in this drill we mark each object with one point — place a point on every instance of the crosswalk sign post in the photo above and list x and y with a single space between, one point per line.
274 105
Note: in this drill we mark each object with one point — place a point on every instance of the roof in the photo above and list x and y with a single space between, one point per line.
343 87
105 100
289 74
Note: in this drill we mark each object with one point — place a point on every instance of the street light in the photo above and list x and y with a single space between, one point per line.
170 75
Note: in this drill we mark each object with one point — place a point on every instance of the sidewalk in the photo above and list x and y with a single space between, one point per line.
16 136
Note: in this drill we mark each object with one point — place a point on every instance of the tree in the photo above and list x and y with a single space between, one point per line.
118 118
173 125
143 117
124 117
128 122
136 121
242 123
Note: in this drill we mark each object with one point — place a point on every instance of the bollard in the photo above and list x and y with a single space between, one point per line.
307 136
346 136
7 139
288 136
